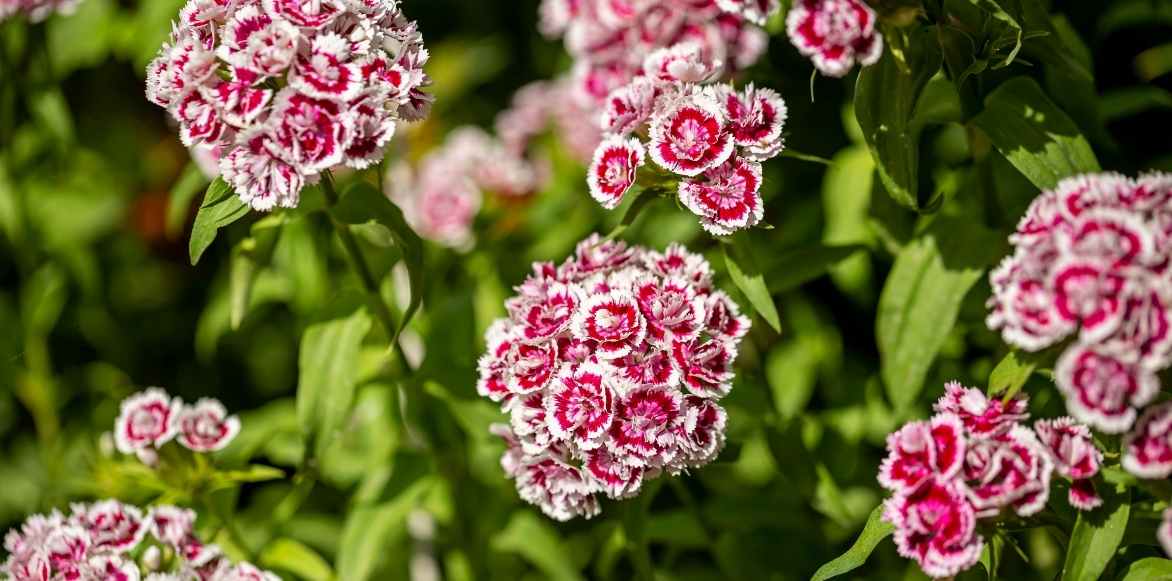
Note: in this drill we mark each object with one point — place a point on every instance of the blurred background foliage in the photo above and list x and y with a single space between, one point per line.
97 299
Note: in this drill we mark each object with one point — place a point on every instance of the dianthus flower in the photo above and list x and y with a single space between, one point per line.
36 10
1147 450
101 541
610 366
441 197
151 418
1091 264
289 89
611 41
707 142
835 34
975 460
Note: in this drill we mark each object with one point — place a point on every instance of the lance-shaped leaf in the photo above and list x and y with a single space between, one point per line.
1034 134
328 375
885 104
922 297
1096 536
873 533
747 275
221 207
364 203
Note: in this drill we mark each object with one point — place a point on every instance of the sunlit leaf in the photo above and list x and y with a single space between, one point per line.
221 207
328 370
873 533
536 541
747 275
371 530
293 556
1096 536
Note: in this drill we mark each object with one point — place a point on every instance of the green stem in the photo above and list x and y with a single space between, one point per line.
358 263
230 526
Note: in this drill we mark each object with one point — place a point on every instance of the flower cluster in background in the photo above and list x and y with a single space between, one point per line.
710 139
976 459
36 10
1091 261
835 34
289 89
440 198
610 367
151 418
112 541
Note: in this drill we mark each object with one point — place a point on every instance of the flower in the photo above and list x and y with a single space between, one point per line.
206 426
36 10
835 34
610 366
612 173
920 451
726 198
1147 450
982 416
689 138
1012 471
1075 457
935 526
146 420
1090 266
111 524
289 89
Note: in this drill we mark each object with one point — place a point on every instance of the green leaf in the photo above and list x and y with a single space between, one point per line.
1011 374
293 556
745 273
801 265
885 103
328 374
190 182
994 8
221 207
536 541
922 297
873 533
1096 536
248 258
363 203
1150 569
792 371
1034 134
254 473
370 531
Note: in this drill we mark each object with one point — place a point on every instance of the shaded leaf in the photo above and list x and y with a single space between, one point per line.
747 275
1011 374
293 556
885 102
221 207
1150 569
801 265
536 541
1096 537
873 533
328 368
363 203
371 530
1034 134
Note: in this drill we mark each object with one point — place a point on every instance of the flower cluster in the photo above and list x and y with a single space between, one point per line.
710 140
112 541
36 10
610 367
1091 261
976 459
289 89
151 418
835 34
441 198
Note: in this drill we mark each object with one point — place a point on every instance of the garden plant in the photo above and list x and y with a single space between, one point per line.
347 290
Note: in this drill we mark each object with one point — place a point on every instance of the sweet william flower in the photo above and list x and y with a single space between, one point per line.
921 451
1147 450
612 172
146 420
936 527
1075 457
638 349
727 197
1102 390
111 524
206 426
689 137
835 34
982 416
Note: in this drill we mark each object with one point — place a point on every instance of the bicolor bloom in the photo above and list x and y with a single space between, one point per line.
610 366
612 173
206 426
920 451
982 416
689 137
1147 450
936 526
1075 457
726 197
111 524
147 420
835 34
1011 472
1090 264
289 89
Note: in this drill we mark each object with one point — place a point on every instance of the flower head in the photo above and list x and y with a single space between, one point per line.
1147 450
835 34
147 419
610 366
206 426
1075 457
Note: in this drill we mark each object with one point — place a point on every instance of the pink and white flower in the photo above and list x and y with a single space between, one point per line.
727 197
560 490
1147 450
684 62
612 322
923 451
672 307
705 366
1075 457
689 137
147 420
206 426
613 473
629 107
835 34
243 572
580 407
646 425
315 14
755 11
1101 390
936 527
261 177
1011 471
756 117
703 430
111 525
982 416
612 173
